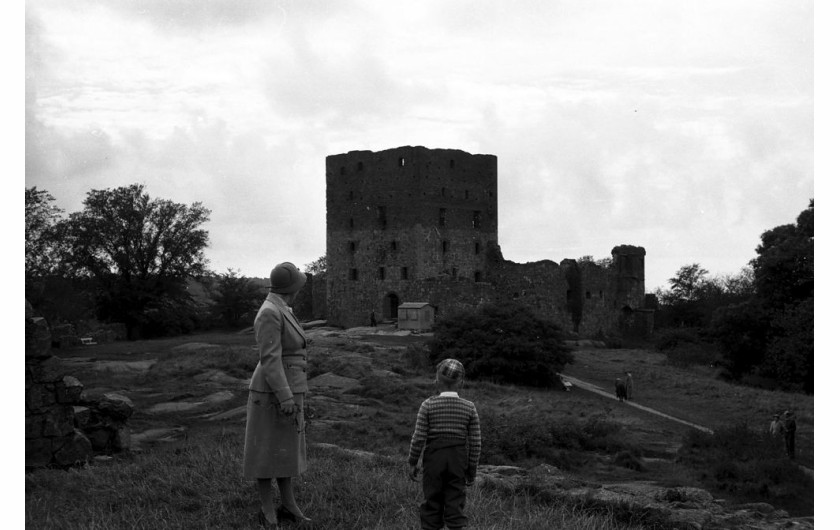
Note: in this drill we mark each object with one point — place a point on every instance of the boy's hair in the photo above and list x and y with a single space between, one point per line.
450 372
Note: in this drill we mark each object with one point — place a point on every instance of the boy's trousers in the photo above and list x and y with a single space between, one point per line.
444 485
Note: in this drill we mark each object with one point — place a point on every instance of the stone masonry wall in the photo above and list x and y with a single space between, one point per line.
64 425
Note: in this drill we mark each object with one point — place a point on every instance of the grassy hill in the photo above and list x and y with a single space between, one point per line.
359 438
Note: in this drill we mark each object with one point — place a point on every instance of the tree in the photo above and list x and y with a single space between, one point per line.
43 242
503 343
319 266
689 279
772 335
139 251
784 267
234 297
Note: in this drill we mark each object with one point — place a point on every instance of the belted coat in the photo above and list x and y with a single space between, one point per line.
282 348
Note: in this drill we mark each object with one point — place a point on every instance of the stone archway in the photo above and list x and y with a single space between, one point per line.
389 306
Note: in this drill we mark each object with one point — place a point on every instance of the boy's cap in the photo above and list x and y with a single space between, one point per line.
450 371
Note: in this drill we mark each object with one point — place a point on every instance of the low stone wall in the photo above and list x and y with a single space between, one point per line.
66 426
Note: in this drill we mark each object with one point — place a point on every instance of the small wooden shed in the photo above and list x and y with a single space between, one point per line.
415 316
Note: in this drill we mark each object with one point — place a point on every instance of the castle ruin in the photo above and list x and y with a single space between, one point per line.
412 224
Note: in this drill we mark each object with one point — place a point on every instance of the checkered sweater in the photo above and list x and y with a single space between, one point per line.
447 416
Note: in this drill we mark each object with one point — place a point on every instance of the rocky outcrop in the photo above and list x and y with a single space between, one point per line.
681 507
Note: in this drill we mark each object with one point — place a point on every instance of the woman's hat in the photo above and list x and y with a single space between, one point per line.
450 371
286 278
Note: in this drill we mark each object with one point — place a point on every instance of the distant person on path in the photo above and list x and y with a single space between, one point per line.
789 430
628 385
448 434
372 319
776 425
620 389
275 441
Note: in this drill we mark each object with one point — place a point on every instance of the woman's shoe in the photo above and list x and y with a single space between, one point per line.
264 521
285 513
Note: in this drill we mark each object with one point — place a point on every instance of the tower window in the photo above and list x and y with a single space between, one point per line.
443 192
454 272
394 246
351 195
451 162
477 248
466 194
476 222
351 222
401 162
352 246
445 246
588 295
354 274
477 276
404 273
381 273
342 171
360 166
442 217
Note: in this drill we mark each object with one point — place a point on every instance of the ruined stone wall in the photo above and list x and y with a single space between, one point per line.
412 224
64 425
599 315
541 285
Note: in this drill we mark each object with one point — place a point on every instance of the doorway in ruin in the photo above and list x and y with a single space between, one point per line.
389 306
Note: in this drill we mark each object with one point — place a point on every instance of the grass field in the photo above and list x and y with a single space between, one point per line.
196 482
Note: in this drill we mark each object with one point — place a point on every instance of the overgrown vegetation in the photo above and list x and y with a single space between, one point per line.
503 343
749 465
519 438
761 320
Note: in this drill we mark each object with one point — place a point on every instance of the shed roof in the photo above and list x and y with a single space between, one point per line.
413 305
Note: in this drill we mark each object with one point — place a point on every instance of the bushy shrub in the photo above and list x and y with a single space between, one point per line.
748 464
504 343
516 438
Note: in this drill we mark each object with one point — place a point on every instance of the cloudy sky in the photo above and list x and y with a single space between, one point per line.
684 127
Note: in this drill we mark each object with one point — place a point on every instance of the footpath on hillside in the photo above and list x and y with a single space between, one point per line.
598 390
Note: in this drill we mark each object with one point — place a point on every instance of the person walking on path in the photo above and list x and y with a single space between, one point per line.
275 441
628 384
620 389
789 430
448 434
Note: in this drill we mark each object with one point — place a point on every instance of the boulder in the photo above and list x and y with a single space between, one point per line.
75 449
38 341
69 390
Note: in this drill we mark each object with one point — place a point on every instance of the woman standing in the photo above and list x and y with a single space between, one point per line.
275 442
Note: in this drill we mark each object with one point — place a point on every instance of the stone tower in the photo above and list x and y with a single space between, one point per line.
401 216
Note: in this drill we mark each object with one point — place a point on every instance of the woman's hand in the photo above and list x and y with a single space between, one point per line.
288 407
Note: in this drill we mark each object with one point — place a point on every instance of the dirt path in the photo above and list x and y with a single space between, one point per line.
598 390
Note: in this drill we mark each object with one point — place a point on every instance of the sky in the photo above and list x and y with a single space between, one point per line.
684 127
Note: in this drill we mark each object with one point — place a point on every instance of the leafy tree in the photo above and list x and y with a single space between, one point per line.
784 267
43 242
772 335
139 251
688 282
235 296
505 343
319 266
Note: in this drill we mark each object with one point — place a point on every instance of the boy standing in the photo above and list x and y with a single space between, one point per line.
448 434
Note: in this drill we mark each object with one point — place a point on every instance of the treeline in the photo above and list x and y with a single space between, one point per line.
761 321
130 259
